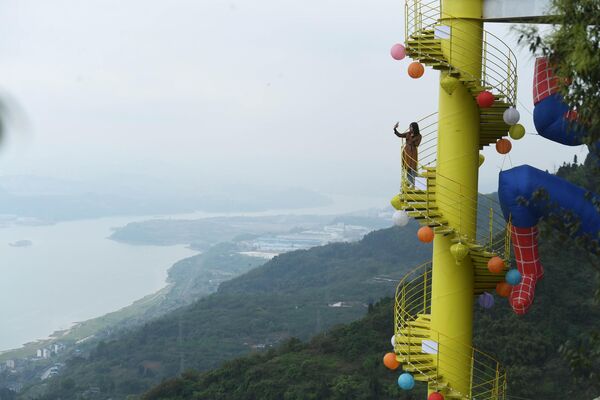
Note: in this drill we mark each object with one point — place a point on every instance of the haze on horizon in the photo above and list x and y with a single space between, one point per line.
213 92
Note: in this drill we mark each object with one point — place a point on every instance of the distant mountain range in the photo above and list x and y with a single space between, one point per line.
50 200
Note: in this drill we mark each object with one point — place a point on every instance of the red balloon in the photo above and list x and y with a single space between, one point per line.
425 234
503 289
571 115
495 265
435 396
416 70
485 99
503 146
389 360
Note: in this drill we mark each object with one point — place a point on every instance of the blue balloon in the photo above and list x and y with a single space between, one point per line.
486 300
406 381
513 277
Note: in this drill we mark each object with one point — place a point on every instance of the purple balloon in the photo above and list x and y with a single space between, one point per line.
486 300
398 51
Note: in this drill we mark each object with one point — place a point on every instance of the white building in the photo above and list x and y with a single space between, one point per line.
10 364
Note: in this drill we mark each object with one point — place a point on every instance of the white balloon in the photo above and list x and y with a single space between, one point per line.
393 341
400 218
511 116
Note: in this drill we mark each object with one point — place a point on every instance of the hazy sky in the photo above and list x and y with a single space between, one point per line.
297 93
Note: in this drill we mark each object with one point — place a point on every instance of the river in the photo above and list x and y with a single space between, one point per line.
71 272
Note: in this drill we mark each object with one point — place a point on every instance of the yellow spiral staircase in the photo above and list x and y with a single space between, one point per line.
419 348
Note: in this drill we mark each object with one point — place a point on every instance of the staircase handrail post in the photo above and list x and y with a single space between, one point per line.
497 382
491 227
425 292
484 63
471 377
405 21
437 365
408 343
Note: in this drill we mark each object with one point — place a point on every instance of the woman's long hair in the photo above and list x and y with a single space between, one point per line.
415 128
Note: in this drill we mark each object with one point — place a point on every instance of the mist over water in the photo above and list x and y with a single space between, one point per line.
72 272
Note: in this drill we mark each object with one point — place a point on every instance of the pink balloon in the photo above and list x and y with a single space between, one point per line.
398 51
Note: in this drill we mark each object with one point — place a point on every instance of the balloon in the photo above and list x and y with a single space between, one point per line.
449 83
517 131
513 277
481 159
397 202
571 115
416 70
389 360
495 265
511 116
485 99
503 146
459 251
425 234
400 218
503 289
435 396
406 381
393 340
486 300
398 51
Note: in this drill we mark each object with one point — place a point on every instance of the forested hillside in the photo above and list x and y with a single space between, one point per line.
297 294
346 363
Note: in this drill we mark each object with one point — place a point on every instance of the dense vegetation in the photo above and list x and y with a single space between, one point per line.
346 362
290 296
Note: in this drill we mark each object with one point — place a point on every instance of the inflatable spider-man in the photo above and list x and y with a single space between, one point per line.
528 194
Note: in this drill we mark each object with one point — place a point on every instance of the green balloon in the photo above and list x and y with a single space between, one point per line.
517 131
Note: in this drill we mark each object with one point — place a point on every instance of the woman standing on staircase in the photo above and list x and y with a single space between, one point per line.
410 153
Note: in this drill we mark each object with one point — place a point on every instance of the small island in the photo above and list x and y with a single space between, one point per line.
21 243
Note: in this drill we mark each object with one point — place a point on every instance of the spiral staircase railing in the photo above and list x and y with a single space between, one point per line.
487 380
412 331
499 69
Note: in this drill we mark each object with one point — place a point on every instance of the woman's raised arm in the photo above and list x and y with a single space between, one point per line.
400 135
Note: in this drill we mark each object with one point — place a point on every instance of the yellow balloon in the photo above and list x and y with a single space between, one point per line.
481 159
517 131
459 251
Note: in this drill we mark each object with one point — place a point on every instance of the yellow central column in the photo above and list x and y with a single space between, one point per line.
456 194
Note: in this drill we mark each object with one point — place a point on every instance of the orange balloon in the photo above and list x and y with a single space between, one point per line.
503 289
503 146
495 265
425 234
389 360
416 70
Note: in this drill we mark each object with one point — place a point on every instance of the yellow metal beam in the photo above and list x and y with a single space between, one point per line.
457 175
